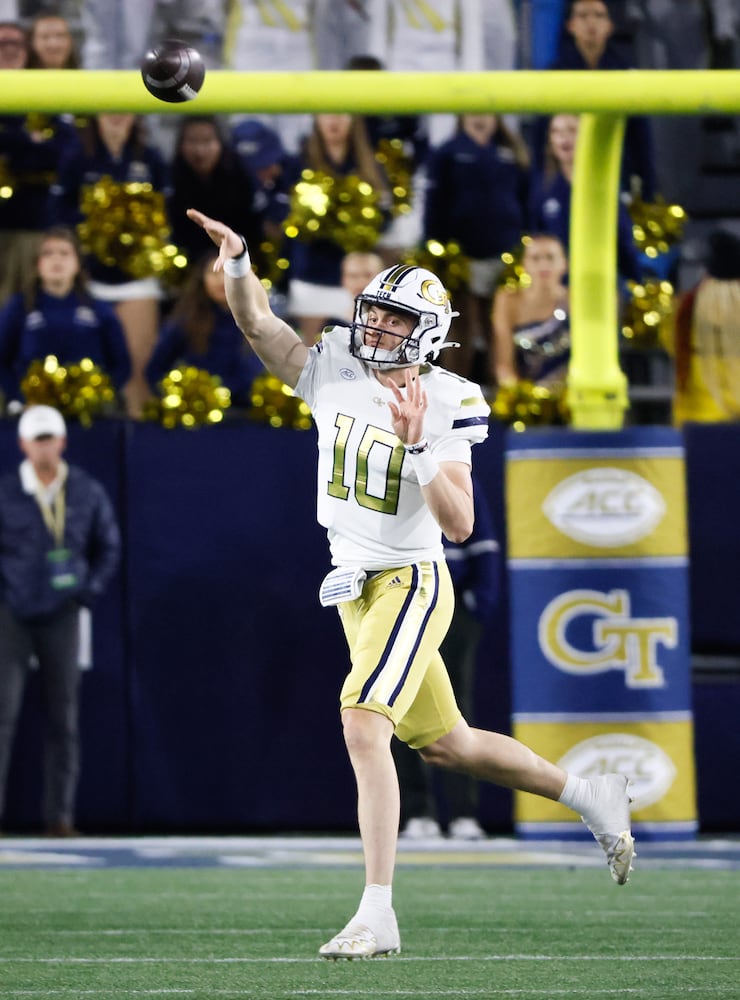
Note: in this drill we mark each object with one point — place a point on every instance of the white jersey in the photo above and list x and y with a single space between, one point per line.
368 496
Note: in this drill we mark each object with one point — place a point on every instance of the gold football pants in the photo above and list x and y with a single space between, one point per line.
394 631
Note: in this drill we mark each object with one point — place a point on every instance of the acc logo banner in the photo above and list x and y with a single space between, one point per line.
657 757
606 507
573 507
616 640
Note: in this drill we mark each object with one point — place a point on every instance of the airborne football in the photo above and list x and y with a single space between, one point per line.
173 71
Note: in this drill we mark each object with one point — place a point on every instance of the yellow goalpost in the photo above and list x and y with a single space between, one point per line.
596 386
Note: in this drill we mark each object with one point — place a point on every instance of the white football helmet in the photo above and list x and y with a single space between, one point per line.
418 293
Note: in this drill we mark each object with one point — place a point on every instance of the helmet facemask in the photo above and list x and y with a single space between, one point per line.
365 339
411 292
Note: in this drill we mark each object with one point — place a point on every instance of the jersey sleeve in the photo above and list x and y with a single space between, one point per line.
311 377
468 425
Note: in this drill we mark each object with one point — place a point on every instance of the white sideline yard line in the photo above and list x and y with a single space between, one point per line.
287 960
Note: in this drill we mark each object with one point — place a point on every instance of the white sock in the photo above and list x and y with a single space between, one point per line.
374 906
601 802
578 794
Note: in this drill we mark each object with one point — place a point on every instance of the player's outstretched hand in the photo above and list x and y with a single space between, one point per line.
407 412
228 242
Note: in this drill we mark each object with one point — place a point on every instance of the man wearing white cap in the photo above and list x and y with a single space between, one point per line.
59 547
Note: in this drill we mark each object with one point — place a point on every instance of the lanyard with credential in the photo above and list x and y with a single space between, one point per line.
54 514
61 573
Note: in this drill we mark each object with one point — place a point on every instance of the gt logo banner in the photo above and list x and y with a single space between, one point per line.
618 641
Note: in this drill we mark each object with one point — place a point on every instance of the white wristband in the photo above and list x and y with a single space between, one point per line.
423 462
239 267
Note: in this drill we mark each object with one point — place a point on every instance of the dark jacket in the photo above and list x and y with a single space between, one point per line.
228 355
227 193
91 535
550 213
31 165
69 327
476 195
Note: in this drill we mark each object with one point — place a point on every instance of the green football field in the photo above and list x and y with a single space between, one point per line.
468 930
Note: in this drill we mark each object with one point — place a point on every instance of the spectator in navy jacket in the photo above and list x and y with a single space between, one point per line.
551 194
31 149
59 548
206 171
588 46
202 332
475 567
338 146
56 315
477 193
114 145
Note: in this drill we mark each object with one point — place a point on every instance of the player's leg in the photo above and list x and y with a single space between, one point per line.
602 802
373 930
393 631
367 736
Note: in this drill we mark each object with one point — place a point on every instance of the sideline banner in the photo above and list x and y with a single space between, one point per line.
598 571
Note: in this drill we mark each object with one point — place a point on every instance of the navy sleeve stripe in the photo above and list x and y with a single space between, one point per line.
469 422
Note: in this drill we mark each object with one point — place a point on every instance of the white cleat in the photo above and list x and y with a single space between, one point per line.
358 941
609 822
620 851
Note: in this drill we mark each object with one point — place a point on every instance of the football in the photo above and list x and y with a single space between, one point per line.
173 71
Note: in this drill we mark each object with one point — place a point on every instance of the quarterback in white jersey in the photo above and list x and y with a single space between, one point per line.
395 435
369 498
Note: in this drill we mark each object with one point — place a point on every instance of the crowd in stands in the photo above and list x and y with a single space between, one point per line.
81 266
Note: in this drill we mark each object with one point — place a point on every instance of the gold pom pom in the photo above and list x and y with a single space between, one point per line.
276 404
399 168
656 226
126 226
647 319
513 275
523 404
446 260
78 389
189 397
345 210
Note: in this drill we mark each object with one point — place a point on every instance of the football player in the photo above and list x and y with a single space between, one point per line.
395 434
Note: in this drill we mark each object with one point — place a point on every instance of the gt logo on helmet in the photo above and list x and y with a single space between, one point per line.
435 293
